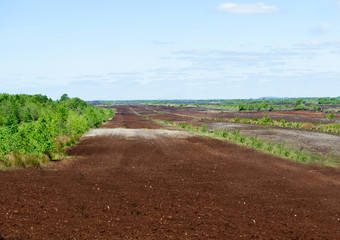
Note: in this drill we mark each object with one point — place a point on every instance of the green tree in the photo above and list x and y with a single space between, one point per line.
44 135
64 97
299 105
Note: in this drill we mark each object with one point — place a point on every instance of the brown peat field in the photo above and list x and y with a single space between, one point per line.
134 178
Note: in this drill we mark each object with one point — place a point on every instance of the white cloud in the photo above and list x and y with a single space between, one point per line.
311 43
338 3
322 28
216 59
256 8
320 45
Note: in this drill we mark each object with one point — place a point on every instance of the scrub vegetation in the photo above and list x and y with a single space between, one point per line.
34 129
256 107
267 121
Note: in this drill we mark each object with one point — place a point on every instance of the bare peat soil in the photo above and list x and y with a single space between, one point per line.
313 142
149 184
297 116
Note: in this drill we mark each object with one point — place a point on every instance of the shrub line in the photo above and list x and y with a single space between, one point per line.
35 129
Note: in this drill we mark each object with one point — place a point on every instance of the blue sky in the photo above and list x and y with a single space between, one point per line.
162 49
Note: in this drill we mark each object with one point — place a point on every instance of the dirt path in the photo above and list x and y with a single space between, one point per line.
144 183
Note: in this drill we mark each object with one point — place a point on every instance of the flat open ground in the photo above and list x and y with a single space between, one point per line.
299 116
320 143
135 179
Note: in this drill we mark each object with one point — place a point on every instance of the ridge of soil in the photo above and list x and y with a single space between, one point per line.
168 188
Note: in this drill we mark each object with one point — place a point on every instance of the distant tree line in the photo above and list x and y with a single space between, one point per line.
311 100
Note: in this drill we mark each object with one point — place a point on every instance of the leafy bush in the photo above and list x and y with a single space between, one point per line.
315 108
330 116
299 105
283 123
242 107
329 100
30 126
266 119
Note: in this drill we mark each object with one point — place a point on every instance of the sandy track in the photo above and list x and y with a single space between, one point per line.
169 188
